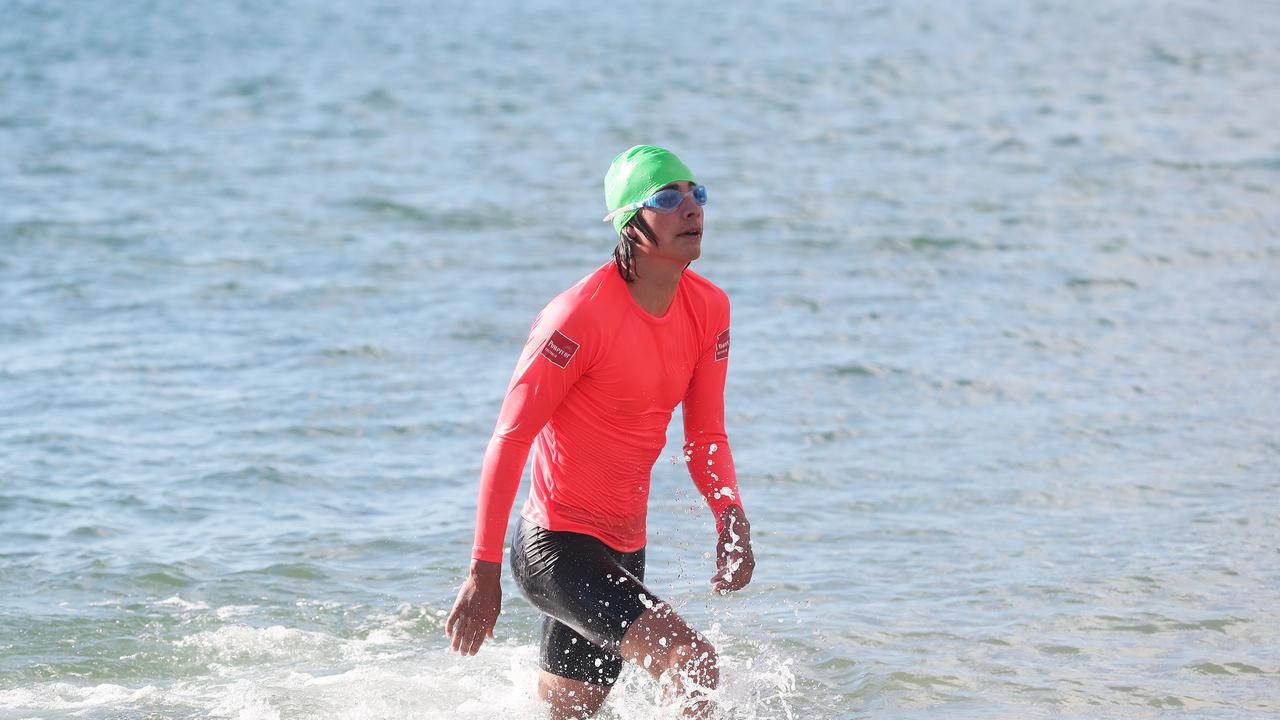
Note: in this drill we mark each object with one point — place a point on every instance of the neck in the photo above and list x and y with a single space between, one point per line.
656 282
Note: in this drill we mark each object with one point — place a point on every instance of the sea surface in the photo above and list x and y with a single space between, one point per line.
1004 391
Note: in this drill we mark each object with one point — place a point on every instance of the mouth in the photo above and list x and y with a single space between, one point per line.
692 233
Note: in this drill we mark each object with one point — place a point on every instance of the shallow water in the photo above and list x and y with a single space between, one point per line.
1003 397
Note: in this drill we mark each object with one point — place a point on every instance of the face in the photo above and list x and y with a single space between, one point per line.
679 232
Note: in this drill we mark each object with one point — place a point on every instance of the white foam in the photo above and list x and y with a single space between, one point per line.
498 682
228 612
282 673
64 696
245 700
402 624
384 637
240 643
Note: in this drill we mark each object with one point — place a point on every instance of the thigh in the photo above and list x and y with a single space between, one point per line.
590 593
568 653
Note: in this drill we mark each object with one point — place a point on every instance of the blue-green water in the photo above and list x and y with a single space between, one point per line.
1003 398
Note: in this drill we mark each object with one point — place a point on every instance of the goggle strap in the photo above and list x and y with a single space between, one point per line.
625 208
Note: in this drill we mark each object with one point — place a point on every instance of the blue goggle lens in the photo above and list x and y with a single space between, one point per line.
670 199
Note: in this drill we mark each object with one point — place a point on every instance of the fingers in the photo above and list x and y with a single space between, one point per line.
467 635
449 623
734 573
475 637
743 576
724 587
727 586
458 635
724 581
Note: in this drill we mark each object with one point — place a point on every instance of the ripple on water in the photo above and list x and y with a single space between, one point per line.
91 532
864 370
1166 625
929 244
1103 283
1230 668
434 219
251 475
153 576
296 571
360 352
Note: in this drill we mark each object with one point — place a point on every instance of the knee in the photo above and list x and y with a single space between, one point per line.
576 702
573 709
567 706
698 661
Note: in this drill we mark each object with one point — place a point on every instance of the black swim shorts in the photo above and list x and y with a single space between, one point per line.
590 594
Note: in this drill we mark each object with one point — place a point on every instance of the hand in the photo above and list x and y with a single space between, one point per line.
735 562
475 612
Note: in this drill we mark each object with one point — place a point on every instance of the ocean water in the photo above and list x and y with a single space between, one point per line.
1003 396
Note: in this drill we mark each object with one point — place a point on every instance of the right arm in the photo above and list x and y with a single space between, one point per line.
554 357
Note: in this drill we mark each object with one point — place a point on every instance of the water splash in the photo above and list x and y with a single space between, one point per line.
285 673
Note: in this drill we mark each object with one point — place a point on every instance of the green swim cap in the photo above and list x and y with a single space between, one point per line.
638 173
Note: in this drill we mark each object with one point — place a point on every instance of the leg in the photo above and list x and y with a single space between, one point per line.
570 699
577 674
664 645
590 595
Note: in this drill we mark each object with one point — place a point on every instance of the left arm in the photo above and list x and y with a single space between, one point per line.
706 451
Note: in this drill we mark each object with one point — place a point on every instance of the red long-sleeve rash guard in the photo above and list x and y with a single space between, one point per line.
593 393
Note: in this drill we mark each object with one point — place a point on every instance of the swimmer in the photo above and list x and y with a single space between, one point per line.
605 364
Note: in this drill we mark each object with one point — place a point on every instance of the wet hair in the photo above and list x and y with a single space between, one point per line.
624 255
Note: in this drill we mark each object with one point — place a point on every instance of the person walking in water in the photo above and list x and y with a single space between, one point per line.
605 364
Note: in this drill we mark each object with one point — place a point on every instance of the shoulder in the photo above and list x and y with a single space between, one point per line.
706 295
701 286
583 307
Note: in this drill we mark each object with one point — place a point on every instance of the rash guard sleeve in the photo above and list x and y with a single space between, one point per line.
706 447
558 351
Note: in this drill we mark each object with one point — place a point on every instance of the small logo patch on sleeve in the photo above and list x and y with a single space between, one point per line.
722 345
559 349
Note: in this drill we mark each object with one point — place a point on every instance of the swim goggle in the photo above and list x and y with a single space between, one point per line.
663 201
